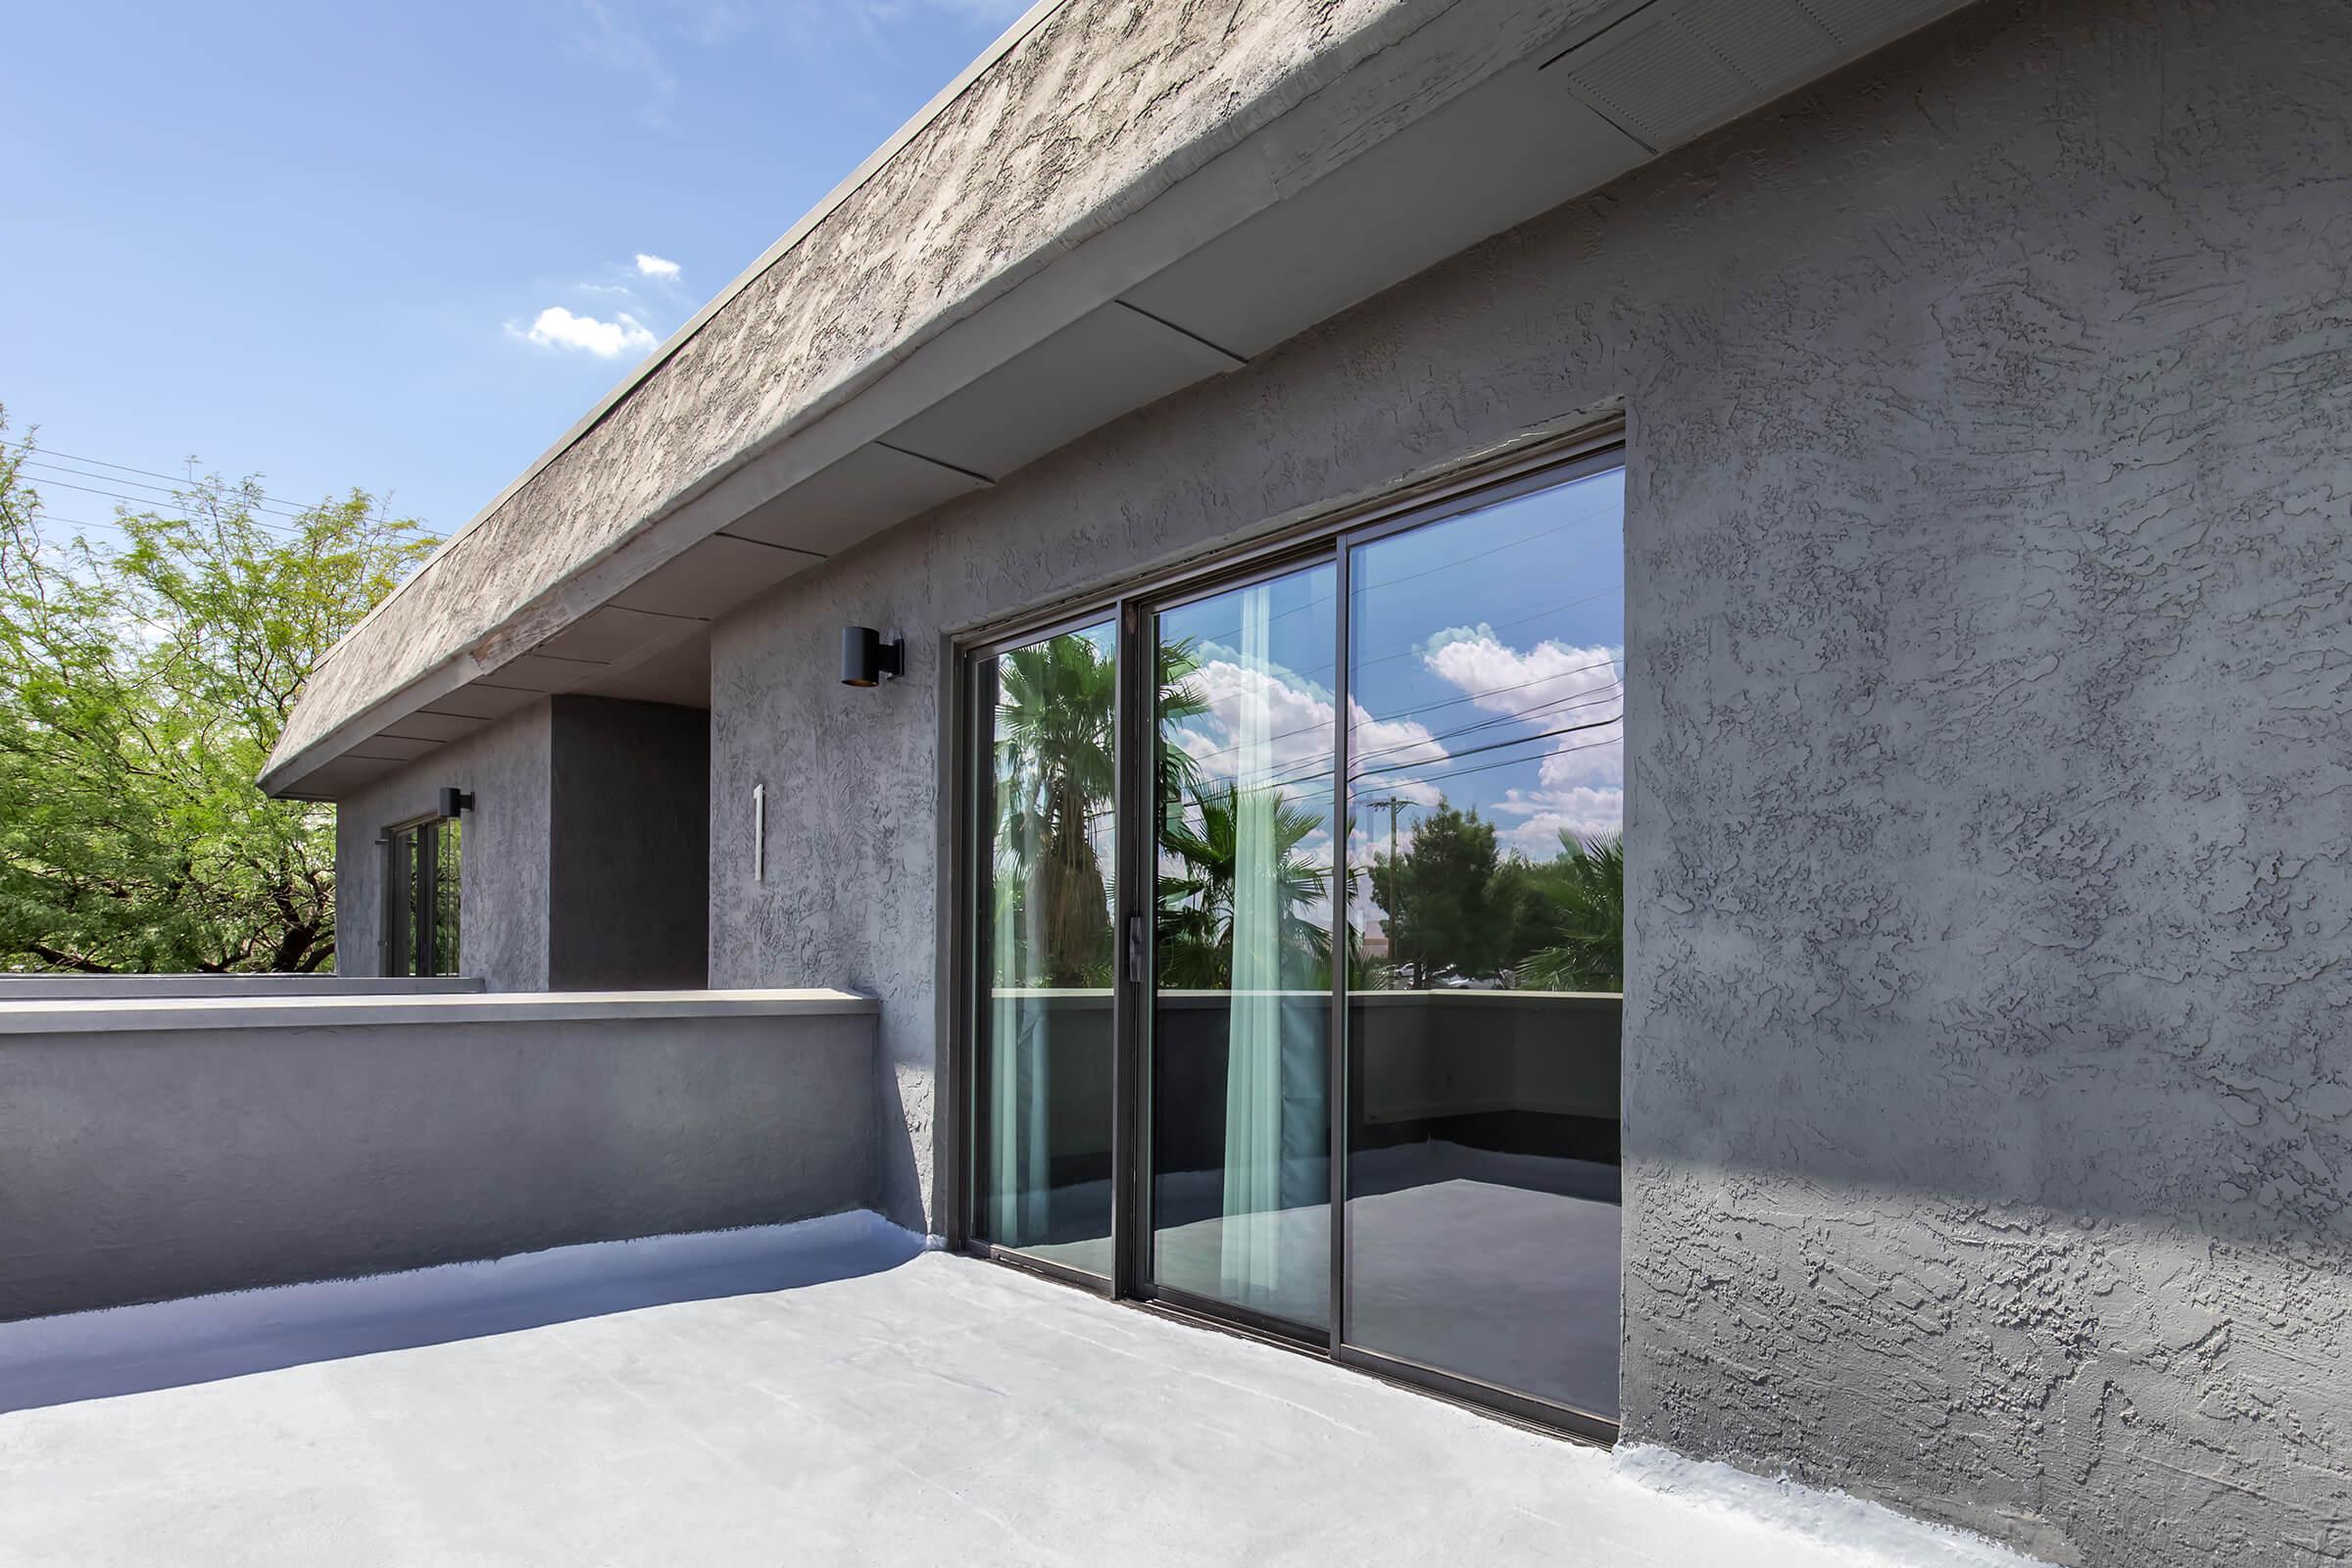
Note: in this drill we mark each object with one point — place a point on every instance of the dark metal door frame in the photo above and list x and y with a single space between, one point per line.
1138 686
1133 610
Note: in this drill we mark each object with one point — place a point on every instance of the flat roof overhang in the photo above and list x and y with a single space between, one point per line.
1087 221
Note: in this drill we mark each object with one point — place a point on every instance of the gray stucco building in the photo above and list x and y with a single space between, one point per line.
1928 431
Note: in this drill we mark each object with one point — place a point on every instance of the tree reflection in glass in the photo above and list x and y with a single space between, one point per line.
1241 1017
1485 793
1043 1079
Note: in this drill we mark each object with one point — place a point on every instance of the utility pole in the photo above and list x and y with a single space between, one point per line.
1392 804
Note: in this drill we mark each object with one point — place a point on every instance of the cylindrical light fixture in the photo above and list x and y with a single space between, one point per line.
867 660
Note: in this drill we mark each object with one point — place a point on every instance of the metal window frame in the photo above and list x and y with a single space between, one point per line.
1132 605
427 874
1137 1046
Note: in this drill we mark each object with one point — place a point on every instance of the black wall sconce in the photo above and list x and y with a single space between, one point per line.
867 660
454 800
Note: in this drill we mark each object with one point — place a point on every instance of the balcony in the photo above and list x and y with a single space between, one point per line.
824 1393
638 1363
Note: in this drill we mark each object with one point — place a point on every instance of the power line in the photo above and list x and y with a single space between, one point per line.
146 504
1512 762
1401 770
1470 697
1428 707
117 523
1495 745
1371 717
1278 775
172 505
101 463
1465 772
46 515
1360 666
1590 697
139 484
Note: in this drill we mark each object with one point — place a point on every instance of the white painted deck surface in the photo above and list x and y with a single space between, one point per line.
929 1409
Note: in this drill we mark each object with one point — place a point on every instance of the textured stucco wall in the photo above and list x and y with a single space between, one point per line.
629 881
1990 467
138 1165
585 859
503 880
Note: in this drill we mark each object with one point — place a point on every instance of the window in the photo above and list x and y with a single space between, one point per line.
1294 943
420 898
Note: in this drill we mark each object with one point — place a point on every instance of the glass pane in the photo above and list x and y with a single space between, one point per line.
1043 949
1485 803
446 861
1241 1022
419 880
399 904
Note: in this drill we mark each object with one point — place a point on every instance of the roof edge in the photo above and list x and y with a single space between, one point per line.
873 164
285 771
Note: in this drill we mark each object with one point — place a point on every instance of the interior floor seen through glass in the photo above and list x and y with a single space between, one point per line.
1486 801
1241 1009
1046 869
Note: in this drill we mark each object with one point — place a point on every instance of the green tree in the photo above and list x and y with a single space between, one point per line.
1195 902
1055 770
1583 893
143 686
1057 776
1524 916
1433 898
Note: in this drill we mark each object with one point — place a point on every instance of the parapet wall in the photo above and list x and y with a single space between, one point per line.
174 1146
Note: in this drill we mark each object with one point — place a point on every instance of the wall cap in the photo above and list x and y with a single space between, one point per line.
152 1014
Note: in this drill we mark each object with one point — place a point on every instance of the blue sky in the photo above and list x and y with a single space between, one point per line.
1486 670
312 240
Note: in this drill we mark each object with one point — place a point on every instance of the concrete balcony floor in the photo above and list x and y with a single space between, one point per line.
863 1404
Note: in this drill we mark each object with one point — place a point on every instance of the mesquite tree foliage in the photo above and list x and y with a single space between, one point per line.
145 673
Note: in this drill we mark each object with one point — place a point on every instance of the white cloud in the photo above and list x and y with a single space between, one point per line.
1596 756
1583 812
1298 725
1581 781
657 267
1548 687
1501 679
1580 787
558 328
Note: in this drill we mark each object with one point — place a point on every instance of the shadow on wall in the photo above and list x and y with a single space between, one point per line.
168 1345
900 1178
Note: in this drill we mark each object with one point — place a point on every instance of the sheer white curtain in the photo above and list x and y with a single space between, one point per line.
1018 1078
1251 1265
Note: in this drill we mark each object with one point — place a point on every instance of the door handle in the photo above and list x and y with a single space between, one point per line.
1135 949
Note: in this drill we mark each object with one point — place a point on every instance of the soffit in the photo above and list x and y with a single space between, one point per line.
1461 127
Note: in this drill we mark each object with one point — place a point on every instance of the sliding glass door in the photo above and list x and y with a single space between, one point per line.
1240 1019
1486 784
1296 908
1044 872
